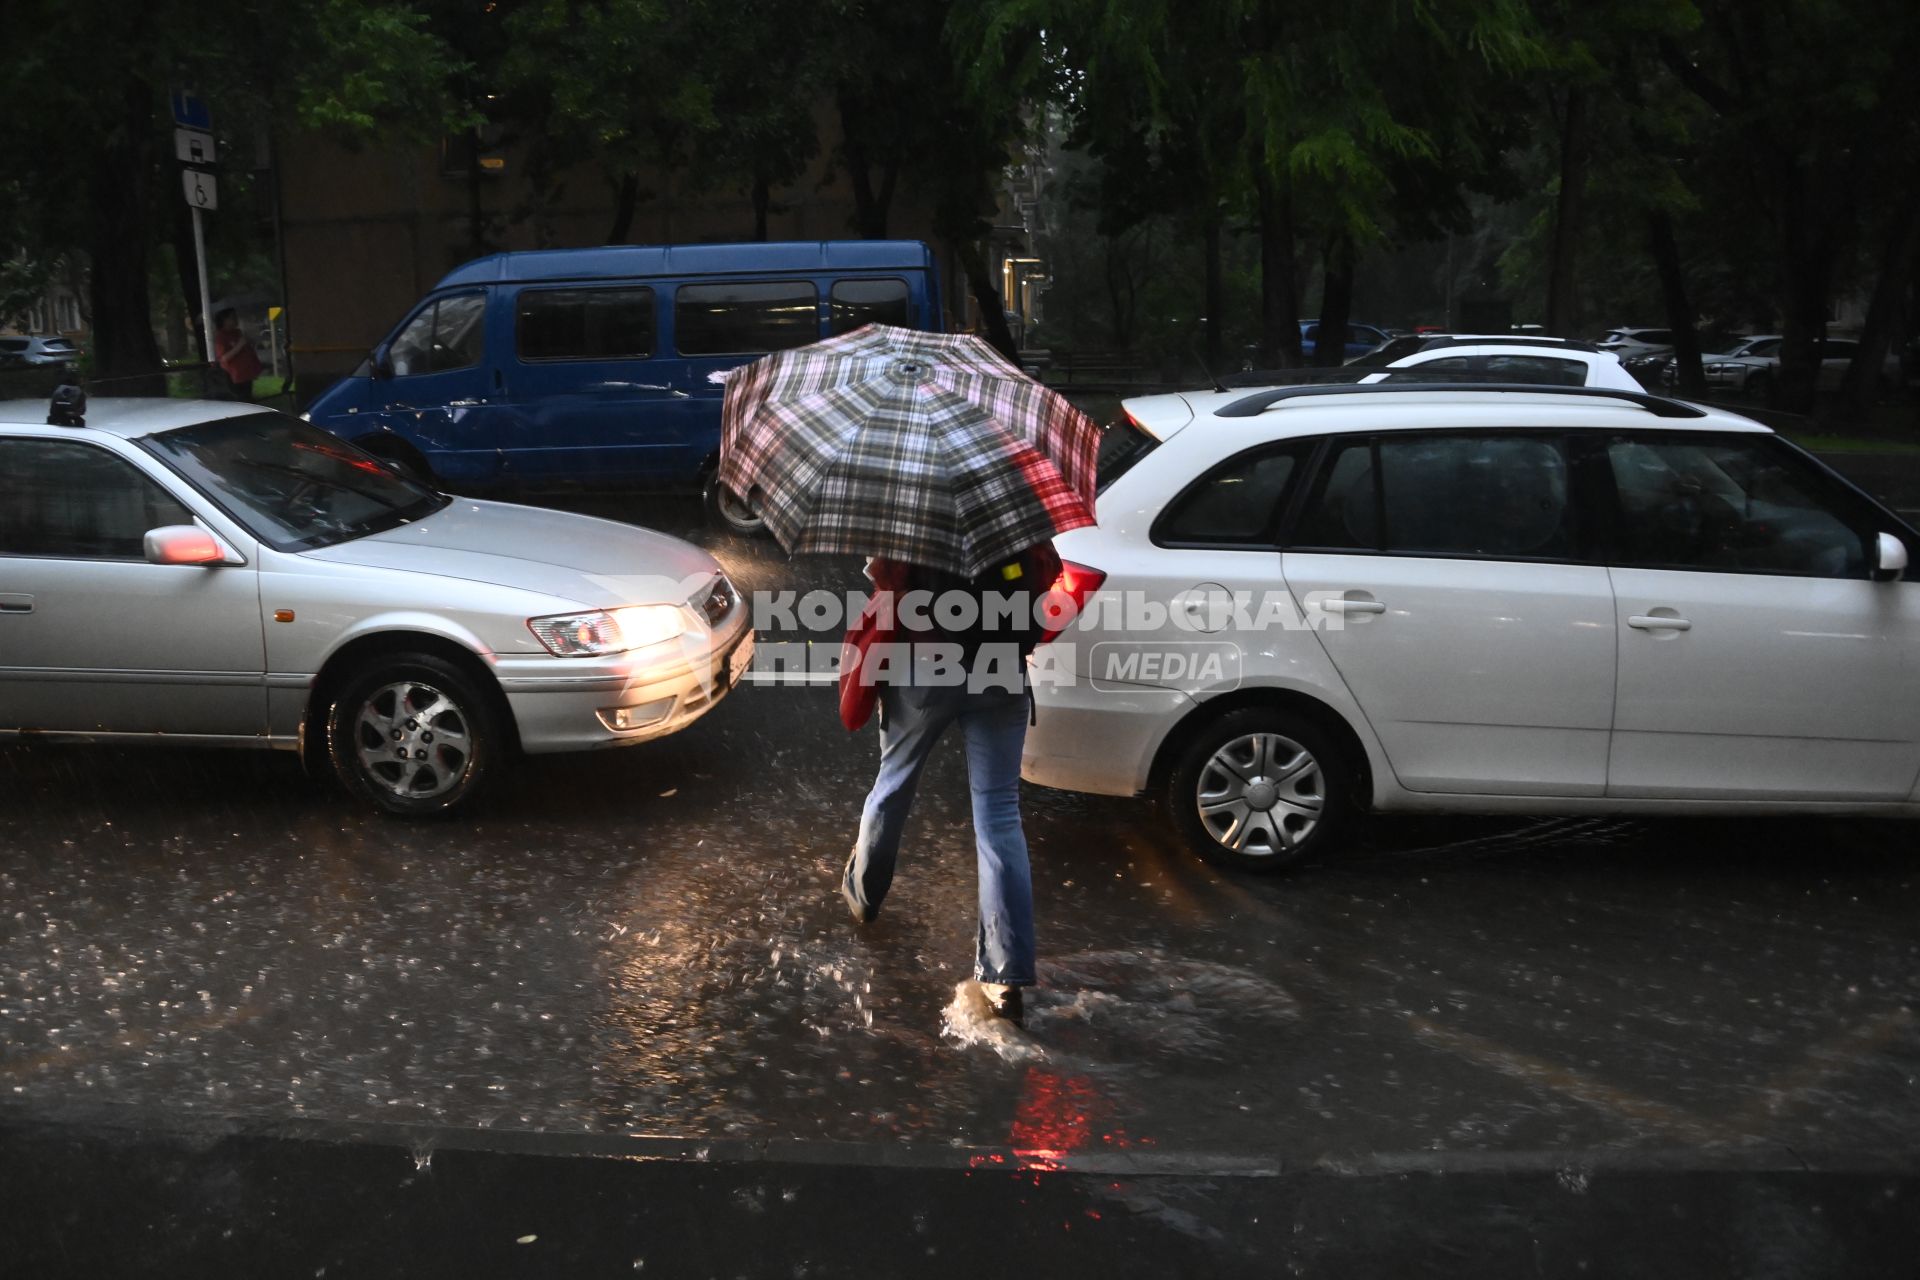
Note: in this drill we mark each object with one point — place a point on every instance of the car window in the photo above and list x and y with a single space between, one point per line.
745 318
854 303
1426 370
1537 370
585 324
293 486
1445 495
78 501
1730 505
1343 513
1476 495
448 334
1121 446
1238 503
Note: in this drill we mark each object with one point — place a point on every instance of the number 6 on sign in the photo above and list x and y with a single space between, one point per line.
202 192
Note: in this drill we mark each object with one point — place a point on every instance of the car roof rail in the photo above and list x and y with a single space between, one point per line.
1254 405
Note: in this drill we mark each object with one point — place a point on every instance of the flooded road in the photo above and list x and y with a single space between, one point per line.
651 941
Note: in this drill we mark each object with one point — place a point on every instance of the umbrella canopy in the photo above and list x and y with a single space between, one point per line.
924 447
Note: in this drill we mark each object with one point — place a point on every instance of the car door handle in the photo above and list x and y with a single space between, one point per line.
16 604
1647 622
1353 606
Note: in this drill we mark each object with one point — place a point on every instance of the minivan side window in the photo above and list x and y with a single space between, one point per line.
745 318
585 324
861 302
448 334
1731 506
1469 495
1237 504
78 502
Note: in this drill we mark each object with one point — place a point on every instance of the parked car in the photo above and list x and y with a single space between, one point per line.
1360 338
211 574
1491 358
37 351
1563 600
1642 351
591 367
1754 370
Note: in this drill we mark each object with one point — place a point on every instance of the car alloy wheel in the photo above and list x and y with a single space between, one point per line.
412 740
1261 795
412 734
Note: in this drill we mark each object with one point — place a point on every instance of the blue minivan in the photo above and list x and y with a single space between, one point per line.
589 368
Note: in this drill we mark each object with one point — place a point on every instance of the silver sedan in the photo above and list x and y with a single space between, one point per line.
218 574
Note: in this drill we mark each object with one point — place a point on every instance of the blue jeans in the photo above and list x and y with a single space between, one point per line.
912 718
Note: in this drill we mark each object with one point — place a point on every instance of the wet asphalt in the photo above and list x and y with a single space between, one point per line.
649 943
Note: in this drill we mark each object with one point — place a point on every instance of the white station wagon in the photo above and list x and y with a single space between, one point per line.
1530 600
219 575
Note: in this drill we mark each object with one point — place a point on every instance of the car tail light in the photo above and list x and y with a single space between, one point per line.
1068 596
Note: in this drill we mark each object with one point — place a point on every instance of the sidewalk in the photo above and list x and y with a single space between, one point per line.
122 1195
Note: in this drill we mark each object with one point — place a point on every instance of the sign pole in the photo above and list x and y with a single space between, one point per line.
206 297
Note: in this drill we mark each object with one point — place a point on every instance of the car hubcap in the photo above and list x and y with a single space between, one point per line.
1261 794
413 740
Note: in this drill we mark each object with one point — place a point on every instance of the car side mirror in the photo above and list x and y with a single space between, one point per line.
183 544
1889 558
382 363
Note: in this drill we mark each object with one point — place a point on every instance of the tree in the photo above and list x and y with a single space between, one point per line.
96 75
1796 87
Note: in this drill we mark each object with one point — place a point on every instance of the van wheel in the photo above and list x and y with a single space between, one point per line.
729 511
412 734
1260 789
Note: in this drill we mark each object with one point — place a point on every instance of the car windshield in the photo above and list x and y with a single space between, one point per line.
58 344
295 487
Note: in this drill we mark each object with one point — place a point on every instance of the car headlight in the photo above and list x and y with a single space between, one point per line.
605 631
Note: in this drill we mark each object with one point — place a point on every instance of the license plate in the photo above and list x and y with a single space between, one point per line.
738 661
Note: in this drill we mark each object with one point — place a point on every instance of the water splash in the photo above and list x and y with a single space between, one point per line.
969 1020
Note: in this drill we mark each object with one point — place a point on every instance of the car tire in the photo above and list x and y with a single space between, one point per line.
1260 789
427 707
728 511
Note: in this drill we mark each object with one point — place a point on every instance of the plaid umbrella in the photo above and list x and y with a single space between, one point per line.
923 447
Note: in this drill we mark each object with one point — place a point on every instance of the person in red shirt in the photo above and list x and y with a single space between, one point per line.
234 353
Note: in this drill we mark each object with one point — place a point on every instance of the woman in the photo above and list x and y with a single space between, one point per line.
234 353
973 676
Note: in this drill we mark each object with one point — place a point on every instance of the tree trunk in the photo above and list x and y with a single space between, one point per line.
626 198
122 345
1279 298
869 205
1119 294
1673 291
762 198
1866 375
1214 299
993 313
1566 215
1336 303
1808 267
